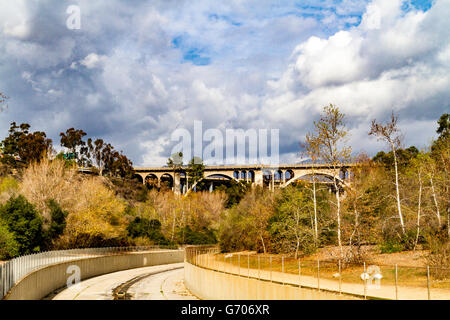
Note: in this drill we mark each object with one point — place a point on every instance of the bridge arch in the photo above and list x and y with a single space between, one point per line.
151 180
318 174
289 174
167 180
251 176
138 177
218 175
210 175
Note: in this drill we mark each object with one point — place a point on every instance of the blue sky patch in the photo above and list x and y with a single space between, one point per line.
191 54
216 17
423 5
195 56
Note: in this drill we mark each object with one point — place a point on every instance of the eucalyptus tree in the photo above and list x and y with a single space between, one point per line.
72 139
21 147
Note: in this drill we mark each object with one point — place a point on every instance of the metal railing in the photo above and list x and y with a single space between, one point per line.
12 271
367 280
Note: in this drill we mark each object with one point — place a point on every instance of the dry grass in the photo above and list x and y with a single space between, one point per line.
94 209
50 180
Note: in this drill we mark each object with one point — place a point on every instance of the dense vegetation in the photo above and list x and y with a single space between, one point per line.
398 200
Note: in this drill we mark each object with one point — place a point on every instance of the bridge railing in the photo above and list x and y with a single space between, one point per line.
366 280
12 271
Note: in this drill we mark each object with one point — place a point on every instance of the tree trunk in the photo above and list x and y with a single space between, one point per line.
438 214
419 205
173 225
399 209
316 233
263 244
338 214
448 223
356 229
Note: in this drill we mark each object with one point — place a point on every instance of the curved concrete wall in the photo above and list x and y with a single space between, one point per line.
44 281
215 285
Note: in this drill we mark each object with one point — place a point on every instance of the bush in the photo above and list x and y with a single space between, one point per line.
9 184
97 217
129 189
51 180
8 188
439 256
148 228
235 192
24 223
204 236
58 222
9 248
397 244
391 246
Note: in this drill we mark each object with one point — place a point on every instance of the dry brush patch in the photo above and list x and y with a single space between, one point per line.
48 180
95 212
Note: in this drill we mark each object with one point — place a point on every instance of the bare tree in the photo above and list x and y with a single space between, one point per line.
390 133
416 170
431 173
329 138
312 151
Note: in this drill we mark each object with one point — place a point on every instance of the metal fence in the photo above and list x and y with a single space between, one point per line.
13 270
368 280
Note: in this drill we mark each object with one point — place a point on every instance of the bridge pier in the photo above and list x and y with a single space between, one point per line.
259 181
250 173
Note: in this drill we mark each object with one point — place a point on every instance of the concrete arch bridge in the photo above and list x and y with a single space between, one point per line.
257 175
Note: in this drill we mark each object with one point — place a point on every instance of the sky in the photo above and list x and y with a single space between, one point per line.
135 71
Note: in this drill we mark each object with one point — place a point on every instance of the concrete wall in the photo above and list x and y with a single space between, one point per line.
213 285
42 282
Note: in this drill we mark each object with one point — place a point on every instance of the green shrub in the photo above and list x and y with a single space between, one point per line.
390 246
9 248
149 228
439 256
57 224
235 192
8 184
59 216
204 236
23 221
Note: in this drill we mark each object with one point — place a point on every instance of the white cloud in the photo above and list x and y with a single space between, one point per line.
370 71
122 78
14 19
93 60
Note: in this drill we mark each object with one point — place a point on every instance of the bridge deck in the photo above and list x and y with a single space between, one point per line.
250 167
